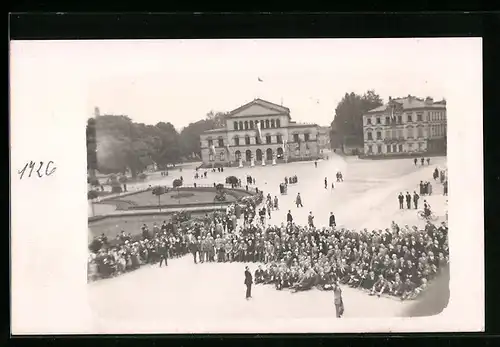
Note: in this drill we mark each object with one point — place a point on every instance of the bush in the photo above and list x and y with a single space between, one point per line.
93 181
177 183
231 180
142 176
220 186
159 190
92 194
116 189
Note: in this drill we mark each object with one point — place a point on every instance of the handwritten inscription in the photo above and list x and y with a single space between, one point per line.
35 169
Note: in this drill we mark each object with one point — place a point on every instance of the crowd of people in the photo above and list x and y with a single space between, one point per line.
398 261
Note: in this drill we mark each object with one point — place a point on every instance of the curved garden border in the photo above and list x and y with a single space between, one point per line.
129 205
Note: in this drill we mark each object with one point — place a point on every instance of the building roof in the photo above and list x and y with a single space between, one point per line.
218 130
301 125
409 103
266 104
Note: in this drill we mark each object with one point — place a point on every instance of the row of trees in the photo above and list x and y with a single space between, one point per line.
117 144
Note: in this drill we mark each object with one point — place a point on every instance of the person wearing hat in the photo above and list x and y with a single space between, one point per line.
248 282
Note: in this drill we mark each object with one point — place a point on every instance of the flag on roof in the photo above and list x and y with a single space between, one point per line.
258 132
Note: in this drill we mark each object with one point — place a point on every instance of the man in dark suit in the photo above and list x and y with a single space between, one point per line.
339 303
289 217
332 220
248 282
408 200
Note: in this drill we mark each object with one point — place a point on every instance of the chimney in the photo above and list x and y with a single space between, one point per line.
390 99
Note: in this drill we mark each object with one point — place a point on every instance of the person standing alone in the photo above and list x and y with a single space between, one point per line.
415 199
326 183
298 200
339 304
248 282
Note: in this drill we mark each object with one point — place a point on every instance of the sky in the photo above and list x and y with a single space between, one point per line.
180 81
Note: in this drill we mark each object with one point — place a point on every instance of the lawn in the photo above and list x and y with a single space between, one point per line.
111 226
184 196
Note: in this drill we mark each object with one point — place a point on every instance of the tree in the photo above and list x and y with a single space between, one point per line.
159 191
91 146
348 120
121 144
190 135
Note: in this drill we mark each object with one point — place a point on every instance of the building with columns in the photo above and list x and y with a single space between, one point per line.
281 139
408 125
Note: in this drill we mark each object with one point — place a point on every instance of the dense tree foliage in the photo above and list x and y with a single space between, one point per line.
115 144
190 135
348 121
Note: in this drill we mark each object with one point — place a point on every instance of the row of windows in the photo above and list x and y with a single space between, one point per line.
252 124
268 140
433 116
259 155
438 130
393 148
409 118
396 133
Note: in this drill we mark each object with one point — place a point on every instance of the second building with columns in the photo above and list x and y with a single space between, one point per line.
259 133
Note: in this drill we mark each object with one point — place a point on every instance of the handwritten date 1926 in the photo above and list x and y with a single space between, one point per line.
44 169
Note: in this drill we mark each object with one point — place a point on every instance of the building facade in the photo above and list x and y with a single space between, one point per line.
281 139
408 125
324 138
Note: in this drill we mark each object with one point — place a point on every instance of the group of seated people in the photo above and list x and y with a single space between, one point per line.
398 262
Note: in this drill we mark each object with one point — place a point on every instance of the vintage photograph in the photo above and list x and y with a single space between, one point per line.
269 180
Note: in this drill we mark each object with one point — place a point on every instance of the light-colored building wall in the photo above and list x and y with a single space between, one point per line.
240 134
418 126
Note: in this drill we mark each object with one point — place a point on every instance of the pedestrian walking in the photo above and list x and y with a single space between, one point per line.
422 161
289 218
326 183
445 188
415 161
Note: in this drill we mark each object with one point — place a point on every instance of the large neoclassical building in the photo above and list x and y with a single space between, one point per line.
280 140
